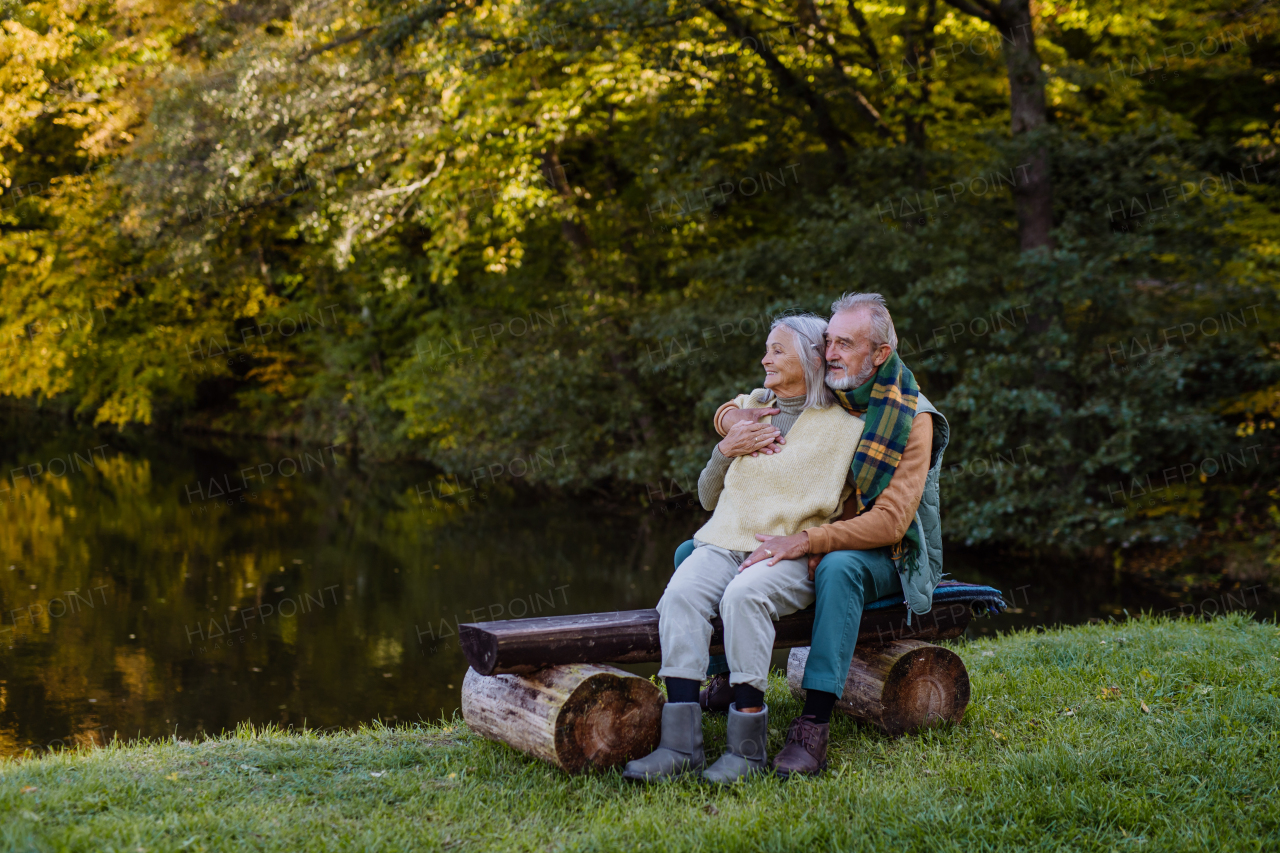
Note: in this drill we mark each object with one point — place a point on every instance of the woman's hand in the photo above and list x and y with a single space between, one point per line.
746 437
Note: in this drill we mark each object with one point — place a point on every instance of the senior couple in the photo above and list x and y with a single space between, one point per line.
825 492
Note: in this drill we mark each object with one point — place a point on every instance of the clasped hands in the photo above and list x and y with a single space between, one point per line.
746 435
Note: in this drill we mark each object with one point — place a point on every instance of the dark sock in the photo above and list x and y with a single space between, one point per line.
682 690
818 705
746 696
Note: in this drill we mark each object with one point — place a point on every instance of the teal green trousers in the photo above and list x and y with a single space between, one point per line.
845 582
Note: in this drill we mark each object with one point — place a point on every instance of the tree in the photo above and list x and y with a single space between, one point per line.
564 225
1028 113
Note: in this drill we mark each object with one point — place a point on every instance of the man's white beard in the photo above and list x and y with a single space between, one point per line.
868 370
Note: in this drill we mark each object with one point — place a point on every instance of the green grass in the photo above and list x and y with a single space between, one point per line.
1044 759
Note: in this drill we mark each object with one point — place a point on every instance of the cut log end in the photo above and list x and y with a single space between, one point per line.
902 687
577 717
608 720
927 686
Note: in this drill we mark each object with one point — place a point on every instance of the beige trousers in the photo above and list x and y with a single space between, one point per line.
708 582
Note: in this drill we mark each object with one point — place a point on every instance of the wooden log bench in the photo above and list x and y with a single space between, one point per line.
542 686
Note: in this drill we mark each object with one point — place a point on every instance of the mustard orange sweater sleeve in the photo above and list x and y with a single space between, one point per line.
732 404
887 521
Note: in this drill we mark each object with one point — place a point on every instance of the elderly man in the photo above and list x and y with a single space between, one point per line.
888 540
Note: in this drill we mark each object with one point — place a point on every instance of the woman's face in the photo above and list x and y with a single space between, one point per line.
783 370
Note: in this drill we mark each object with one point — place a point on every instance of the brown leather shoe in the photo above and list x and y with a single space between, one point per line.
806 749
717 696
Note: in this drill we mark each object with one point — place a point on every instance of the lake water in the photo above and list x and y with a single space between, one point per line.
154 584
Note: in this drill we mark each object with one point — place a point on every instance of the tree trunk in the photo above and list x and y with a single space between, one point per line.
1029 113
570 227
900 688
577 717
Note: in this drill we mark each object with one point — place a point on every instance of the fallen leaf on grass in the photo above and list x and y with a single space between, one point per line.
988 654
172 777
29 789
1111 692
711 810
997 734
1145 709
1068 713
378 775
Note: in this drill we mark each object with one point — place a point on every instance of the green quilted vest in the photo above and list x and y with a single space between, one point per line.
919 588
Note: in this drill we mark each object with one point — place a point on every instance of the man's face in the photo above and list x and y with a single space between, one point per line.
851 360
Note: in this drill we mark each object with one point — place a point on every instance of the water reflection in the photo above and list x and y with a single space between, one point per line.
177 585
157 585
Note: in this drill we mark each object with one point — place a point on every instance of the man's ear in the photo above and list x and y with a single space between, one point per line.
882 354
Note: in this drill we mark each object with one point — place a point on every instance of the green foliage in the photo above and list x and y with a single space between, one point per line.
560 224
1152 733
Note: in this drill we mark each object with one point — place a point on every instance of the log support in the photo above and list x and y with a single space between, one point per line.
577 717
582 717
900 687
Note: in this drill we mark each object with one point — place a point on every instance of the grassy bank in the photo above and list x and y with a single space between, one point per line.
1151 735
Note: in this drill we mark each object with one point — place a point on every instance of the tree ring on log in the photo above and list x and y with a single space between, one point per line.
608 721
926 687
899 687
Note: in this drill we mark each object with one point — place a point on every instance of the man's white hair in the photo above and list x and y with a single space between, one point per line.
882 331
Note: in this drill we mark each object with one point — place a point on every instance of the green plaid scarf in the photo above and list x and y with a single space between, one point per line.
887 405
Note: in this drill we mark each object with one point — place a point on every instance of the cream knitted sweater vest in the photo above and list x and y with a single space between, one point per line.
801 487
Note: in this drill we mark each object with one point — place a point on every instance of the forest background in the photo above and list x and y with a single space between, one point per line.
476 233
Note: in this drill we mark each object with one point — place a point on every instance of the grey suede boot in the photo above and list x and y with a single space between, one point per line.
747 742
679 751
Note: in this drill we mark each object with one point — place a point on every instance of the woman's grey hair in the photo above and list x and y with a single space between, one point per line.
882 331
808 331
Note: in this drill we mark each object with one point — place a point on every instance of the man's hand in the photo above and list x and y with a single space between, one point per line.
746 437
733 417
777 548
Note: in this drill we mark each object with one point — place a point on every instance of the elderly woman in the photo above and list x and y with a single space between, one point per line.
779 494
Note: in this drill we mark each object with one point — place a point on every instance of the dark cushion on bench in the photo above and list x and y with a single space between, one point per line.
987 599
